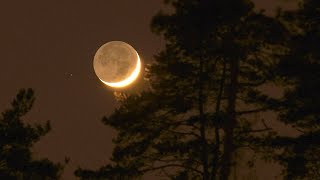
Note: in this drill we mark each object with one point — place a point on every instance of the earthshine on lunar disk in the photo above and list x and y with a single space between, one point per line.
117 64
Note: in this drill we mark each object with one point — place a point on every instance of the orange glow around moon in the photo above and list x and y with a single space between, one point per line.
128 80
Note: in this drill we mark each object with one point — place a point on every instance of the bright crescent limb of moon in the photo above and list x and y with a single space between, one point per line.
128 80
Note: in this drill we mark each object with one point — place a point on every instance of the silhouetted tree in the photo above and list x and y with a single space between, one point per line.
193 119
16 140
299 73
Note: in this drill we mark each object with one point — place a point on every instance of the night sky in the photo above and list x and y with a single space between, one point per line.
49 46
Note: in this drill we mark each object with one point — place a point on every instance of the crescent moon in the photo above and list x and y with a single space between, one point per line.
128 80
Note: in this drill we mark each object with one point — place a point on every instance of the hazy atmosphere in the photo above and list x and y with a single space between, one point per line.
49 46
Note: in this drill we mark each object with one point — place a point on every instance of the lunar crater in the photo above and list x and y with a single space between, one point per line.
115 61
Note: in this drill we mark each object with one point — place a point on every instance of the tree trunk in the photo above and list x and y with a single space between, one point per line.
216 158
231 121
203 124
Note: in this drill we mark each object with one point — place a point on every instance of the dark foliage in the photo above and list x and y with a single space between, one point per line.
16 141
206 84
299 72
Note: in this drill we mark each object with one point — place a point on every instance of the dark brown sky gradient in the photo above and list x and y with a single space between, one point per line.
43 42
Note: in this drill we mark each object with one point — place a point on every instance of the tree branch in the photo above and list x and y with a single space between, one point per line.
266 128
185 133
252 111
171 165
